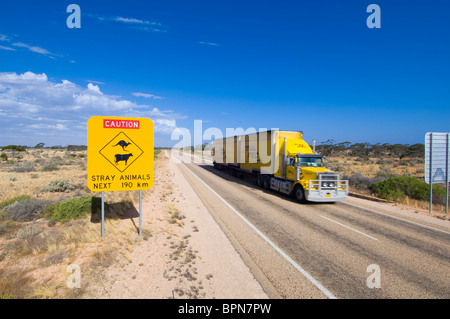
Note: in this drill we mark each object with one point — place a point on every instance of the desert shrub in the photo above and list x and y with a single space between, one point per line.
338 167
50 167
12 200
76 148
25 209
25 167
59 186
29 231
73 208
385 171
399 187
15 283
5 226
360 181
363 158
3 157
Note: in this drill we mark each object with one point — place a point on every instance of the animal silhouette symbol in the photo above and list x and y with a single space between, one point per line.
122 157
123 144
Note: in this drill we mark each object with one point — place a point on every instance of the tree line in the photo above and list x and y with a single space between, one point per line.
365 150
23 148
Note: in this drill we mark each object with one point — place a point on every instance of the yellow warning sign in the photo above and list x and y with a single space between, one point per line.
120 154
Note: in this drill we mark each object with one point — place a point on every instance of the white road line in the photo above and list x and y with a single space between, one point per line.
395 217
281 252
348 227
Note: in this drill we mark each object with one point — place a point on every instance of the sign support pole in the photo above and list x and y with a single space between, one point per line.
431 172
140 212
446 174
103 215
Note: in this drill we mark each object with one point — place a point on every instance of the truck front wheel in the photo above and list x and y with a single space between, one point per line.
299 194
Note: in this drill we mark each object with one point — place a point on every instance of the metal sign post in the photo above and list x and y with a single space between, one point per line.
446 175
431 171
437 151
103 215
140 213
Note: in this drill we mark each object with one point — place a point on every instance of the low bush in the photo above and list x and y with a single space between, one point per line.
73 208
399 187
385 172
24 168
59 186
25 209
28 232
12 200
360 181
50 167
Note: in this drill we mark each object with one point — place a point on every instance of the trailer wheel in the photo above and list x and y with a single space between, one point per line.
266 182
259 181
299 194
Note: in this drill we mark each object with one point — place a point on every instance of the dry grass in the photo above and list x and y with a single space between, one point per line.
375 166
34 255
175 216
69 168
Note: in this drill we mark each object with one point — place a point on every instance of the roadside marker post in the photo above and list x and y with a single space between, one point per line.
120 157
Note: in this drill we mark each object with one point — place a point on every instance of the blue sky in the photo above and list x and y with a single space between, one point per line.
304 65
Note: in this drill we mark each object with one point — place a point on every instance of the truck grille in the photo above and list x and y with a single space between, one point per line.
328 181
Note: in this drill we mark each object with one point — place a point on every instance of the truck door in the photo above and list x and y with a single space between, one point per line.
290 168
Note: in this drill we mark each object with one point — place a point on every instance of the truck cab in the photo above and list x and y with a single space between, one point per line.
313 181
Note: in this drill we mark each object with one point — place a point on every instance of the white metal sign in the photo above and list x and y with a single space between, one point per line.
437 158
437 150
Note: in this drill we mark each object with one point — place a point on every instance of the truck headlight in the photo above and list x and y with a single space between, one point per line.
328 184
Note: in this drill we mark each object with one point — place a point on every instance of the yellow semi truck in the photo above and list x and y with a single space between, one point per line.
282 161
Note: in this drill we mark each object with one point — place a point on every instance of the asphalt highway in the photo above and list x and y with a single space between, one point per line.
324 250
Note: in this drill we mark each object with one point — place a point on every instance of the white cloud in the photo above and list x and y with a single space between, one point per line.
164 125
209 43
146 95
96 82
3 37
31 48
6 48
94 88
35 49
140 24
136 21
31 104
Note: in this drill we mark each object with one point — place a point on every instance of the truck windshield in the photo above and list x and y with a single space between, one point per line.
310 161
